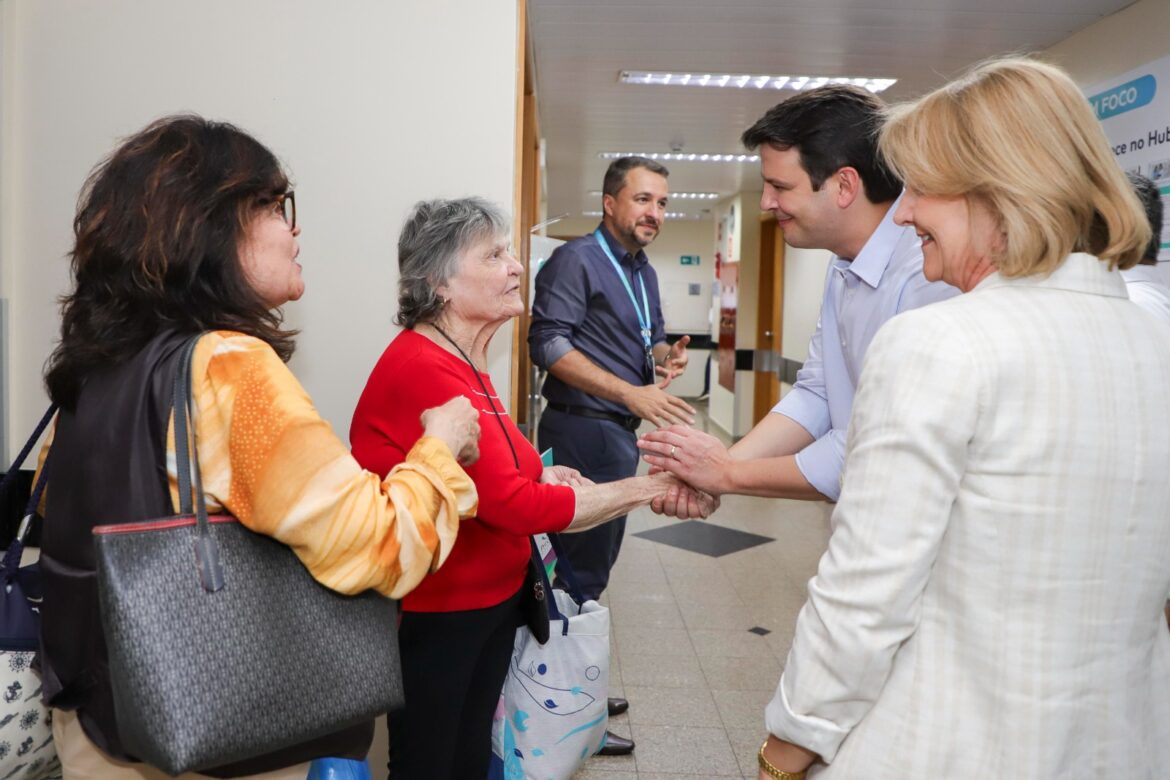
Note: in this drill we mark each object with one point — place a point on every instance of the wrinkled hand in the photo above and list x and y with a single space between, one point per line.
653 403
563 475
675 362
697 458
456 423
684 502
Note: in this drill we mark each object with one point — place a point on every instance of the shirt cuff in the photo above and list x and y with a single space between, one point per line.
821 462
811 733
434 453
807 409
550 351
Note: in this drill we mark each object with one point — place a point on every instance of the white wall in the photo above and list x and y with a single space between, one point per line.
372 105
804 286
1118 43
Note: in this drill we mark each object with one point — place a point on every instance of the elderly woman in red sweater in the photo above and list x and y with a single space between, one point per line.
458 284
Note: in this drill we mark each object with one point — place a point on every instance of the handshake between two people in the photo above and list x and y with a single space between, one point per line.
696 462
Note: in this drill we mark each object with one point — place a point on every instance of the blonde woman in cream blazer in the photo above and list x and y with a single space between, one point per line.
990 604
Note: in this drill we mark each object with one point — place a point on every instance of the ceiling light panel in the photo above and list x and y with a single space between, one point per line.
679 195
682 156
669 214
746 81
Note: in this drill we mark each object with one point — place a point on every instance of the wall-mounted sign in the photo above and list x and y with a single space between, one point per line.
688 259
1133 109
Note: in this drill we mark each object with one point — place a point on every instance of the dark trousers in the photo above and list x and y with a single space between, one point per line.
604 452
453 668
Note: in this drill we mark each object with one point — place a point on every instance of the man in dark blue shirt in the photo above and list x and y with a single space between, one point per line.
597 328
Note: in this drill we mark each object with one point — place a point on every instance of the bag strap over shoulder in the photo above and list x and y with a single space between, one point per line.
190 479
11 561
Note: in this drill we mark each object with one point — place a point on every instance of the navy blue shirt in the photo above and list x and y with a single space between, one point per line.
581 304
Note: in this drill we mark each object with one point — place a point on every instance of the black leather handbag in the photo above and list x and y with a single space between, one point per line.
534 599
221 644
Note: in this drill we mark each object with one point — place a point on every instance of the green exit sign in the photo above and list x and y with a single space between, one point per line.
688 259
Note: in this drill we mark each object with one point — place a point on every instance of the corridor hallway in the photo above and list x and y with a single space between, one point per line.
699 640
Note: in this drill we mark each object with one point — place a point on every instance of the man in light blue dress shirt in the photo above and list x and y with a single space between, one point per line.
828 188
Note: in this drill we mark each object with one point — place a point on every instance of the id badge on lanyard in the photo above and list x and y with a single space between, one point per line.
643 314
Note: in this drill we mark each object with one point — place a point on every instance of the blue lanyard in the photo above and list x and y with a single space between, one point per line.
644 314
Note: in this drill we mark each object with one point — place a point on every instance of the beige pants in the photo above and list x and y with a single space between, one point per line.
83 760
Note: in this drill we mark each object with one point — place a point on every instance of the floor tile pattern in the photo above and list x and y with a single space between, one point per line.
708 538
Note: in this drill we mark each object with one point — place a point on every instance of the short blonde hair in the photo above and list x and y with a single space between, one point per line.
1018 136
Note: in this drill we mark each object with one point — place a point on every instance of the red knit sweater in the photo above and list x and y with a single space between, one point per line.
489 559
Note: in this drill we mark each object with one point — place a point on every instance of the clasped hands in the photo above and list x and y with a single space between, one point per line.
698 462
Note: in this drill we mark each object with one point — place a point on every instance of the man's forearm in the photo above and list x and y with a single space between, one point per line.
770 477
773 436
573 368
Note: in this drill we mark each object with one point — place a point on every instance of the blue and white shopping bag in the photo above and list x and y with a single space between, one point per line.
553 711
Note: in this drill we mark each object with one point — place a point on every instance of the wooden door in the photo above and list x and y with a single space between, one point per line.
769 336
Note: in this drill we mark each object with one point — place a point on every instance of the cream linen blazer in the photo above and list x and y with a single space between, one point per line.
990 604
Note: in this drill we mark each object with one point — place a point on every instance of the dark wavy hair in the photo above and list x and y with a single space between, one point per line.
157 236
832 127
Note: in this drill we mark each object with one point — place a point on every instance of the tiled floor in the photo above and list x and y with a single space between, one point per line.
683 651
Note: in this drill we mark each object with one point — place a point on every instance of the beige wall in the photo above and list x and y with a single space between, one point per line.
804 284
369 103
1118 43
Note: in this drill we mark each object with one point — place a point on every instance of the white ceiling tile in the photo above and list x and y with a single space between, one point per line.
581 46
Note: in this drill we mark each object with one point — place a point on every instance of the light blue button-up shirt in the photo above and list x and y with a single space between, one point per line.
860 296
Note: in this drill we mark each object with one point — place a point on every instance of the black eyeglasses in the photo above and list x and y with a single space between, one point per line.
288 208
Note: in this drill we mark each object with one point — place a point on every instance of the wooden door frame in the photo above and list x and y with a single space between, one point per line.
770 319
525 207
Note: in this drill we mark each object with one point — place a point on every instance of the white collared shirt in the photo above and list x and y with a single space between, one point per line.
1147 290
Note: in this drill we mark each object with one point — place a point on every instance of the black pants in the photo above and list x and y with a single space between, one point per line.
605 452
453 667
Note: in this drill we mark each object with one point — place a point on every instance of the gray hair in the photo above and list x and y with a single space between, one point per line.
435 235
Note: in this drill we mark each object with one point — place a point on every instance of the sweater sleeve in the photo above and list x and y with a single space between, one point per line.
269 458
386 424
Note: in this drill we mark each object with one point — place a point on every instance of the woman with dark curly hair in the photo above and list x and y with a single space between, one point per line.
190 228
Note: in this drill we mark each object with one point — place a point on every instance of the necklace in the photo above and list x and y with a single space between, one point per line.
486 394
